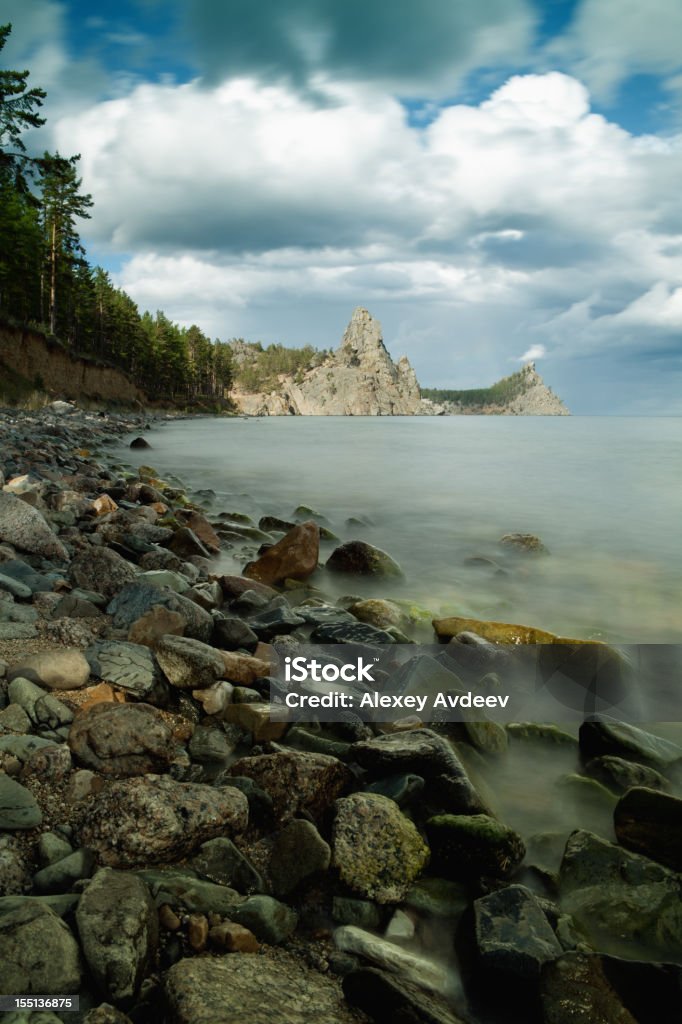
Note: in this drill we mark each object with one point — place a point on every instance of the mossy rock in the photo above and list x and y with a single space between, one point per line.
535 732
470 846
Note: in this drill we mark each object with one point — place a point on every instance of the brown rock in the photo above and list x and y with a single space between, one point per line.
154 819
296 781
243 669
122 740
168 919
197 932
184 543
234 938
101 694
256 719
235 586
104 504
293 557
157 622
201 526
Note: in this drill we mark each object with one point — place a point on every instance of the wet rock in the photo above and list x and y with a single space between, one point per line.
621 775
210 745
231 632
382 614
296 781
350 633
200 525
362 913
513 937
59 669
220 861
61 875
608 736
268 919
227 989
234 586
234 938
128 666
18 807
438 897
358 558
387 998
255 719
535 732
102 570
134 599
154 624
162 578
404 789
188 663
185 544
153 819
424 753
574 987
471 846
293 557
122 740
298 852
38 953
118 929
523 543
25 528
624 903
139 442
411 968
376 849
649 822
275 621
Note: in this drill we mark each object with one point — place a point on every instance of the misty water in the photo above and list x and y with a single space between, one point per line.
603 494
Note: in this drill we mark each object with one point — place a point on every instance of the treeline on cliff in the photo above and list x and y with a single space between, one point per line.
47 283
500 393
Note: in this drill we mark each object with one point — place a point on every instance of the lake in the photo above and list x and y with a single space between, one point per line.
603 494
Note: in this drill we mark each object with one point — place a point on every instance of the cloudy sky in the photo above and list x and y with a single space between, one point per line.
495 180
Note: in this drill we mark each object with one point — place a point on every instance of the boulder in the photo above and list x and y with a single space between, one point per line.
376 849
649 822
298 852
38 953
134 599
189 664
621 775
357 558
18 807
155 819
154 624
59 669
468 846
102 570
122 740
513 936
118 929
293 557
277 989
607 736
624 903
25 528
296 781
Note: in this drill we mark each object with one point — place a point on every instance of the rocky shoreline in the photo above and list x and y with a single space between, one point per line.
170 853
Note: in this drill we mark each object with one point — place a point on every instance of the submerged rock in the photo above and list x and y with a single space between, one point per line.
607 736
650 823
358 558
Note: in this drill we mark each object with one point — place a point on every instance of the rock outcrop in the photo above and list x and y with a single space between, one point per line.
361 379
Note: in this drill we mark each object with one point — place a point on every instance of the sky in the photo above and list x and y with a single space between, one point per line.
495 180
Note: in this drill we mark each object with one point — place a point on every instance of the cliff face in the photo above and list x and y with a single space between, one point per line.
361 379
55 370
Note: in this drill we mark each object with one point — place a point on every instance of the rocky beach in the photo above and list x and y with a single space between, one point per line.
171 853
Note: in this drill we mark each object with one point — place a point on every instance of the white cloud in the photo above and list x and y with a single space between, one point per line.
532 353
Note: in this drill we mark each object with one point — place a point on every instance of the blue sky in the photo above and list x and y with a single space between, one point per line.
495 181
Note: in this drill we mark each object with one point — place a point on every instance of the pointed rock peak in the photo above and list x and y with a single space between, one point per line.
363 333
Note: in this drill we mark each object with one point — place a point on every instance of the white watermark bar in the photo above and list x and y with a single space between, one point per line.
558 682
60 1003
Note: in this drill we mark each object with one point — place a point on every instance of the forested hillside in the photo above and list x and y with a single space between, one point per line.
500 393
47 283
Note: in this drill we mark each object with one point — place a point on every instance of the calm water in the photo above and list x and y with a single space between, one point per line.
604 494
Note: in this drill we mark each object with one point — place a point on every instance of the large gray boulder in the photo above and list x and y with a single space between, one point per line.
38 953
118 928
24 527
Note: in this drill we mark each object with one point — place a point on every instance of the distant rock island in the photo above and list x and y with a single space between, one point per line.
361 379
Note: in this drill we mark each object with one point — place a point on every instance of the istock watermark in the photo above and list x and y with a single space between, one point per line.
565 682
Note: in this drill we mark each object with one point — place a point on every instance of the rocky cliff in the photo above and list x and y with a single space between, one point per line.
361 379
